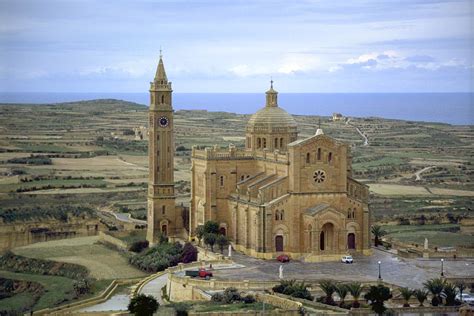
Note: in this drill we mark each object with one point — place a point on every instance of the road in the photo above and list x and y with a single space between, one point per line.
419 172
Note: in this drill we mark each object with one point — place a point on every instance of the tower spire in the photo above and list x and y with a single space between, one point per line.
160 71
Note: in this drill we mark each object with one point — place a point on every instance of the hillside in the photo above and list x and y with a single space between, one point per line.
86 154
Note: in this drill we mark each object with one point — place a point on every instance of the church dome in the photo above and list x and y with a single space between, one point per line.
271 118
271 128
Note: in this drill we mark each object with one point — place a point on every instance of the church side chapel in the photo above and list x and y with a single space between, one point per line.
278 195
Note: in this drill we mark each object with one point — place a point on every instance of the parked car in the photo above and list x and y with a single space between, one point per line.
202 273
347 259
283 258
466 298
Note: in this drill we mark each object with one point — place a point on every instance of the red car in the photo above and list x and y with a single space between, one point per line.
283 258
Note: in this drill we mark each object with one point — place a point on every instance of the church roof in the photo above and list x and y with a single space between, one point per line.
316 209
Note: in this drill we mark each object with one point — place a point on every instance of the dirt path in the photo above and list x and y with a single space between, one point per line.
131 164
366 140
419 172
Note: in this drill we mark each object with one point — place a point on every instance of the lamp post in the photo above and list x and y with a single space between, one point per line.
442 267
380 275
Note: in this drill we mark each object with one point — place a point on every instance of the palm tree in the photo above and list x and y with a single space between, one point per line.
341 290
355 288
328 288
421 295
378 232
406 293
377 295
435 287
450 291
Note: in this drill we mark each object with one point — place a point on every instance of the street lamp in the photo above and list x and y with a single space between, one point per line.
380 275
442 267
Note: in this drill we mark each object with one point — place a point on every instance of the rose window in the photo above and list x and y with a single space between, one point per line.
319 176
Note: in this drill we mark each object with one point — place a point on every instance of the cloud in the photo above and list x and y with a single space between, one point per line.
420 59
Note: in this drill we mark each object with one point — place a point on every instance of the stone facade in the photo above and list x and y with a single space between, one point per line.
164 216
282 195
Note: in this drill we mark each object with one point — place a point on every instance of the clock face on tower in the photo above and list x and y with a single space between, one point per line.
163 121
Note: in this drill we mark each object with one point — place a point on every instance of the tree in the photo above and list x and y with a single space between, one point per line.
435 287
378 233
210 239
328 288
222 241
211 227
341 290
355 288
377 295
450 292
406 293
200 232
143 305
189 254
421 295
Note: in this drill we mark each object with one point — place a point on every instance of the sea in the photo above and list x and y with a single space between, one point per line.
450 108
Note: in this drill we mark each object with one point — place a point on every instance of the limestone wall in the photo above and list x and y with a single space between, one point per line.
19 234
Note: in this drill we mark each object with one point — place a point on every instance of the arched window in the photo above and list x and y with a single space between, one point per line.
242 177
277 215
349 213
282 213
259 142
307 157
319 153
354 213
162 99
281 142
264 143
330 157
222 181
163 209
276 142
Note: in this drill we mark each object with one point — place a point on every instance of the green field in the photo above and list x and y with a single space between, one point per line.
58 290
443 235
102 262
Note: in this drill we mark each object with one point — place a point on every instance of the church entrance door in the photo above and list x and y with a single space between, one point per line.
279 243
164 230
351 241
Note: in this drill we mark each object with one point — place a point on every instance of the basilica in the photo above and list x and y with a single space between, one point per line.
279 195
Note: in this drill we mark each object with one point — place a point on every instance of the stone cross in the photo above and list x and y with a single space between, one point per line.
281 272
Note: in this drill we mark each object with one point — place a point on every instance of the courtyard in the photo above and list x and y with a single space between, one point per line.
395 270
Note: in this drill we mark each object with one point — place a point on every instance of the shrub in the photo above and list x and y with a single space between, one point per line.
190 253
450 293
211 227
139 246
249 299
406 293
181 308
222 241
231 295
82 287
143 305
435 287
158 258
355 288
294 289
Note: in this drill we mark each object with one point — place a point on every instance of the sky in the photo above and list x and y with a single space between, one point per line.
320 46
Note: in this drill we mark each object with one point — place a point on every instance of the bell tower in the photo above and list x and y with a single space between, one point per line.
162 214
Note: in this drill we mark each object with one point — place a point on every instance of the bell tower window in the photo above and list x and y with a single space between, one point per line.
162 99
